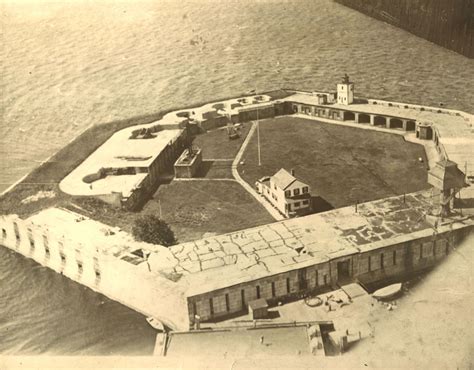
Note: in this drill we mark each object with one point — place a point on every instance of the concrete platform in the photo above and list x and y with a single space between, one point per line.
243 342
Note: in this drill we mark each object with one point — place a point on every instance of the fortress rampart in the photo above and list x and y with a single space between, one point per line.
217 277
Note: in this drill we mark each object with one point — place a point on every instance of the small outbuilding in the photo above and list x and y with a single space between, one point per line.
258 308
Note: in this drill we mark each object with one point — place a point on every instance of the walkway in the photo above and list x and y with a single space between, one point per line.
273 212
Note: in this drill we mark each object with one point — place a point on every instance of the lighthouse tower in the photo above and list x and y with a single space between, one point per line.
345 91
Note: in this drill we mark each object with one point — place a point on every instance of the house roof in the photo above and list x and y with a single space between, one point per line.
296 185
283 179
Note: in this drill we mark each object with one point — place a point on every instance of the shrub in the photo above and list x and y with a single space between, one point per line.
152 229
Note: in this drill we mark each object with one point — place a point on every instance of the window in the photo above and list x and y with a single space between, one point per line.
63 258
227 303
288 193
211 306
305 189
242 297
381 261
258 291
273 289
296 192
370 263
297 204
97 274
394 257
305 202
287 285
79 267
421 251
317 277
17 231
4 233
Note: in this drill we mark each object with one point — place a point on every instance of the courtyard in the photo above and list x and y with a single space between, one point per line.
343 165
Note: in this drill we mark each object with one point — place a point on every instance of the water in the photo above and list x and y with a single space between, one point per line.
65 67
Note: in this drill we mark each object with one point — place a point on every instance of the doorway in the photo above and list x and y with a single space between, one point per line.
343 271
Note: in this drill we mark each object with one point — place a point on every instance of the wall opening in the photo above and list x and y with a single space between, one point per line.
411 125
17 231
380 121
303 284
396 123
348 116
364 118
343 270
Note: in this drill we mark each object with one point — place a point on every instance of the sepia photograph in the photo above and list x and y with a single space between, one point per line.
236 184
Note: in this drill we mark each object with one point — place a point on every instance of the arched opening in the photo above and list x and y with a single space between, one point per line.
396 123
380 121
411 126
364 118
349 116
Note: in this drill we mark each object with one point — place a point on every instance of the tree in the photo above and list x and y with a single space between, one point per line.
152 229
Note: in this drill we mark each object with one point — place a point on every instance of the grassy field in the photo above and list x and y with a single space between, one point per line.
194 208
341 164
216 145
191 208
218 152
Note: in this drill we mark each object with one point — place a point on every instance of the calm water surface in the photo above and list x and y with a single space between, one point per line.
65 67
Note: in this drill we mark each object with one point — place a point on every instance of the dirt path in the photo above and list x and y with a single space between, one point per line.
275 214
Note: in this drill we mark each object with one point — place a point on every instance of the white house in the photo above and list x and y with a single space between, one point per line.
286 193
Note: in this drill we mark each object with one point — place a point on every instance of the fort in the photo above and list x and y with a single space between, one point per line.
216 277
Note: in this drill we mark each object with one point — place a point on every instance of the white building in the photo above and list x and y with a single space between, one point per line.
345 91
286 193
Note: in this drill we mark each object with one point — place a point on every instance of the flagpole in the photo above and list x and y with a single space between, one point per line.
258 141
258 137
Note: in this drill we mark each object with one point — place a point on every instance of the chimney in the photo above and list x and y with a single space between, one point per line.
292 172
